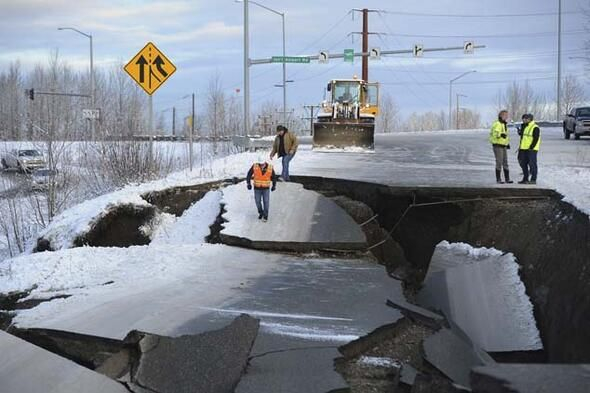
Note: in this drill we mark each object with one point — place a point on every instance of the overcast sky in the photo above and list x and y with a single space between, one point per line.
205 37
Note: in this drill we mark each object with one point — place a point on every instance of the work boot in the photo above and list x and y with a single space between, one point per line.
260 215
523 181
265 219
507 176
533 182
498 177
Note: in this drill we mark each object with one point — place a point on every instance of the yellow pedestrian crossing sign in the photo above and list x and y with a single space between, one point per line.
150 68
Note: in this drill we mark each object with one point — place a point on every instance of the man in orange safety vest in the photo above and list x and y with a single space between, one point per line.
264 178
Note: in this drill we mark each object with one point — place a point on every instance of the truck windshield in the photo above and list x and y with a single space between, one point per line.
28 153
347 92
583 112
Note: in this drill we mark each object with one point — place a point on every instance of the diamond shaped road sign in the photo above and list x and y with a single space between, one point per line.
150 68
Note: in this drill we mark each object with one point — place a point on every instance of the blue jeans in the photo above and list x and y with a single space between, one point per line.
286 160
262 199
528 160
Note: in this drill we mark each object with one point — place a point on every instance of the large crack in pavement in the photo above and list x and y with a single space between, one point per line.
208 362
424 351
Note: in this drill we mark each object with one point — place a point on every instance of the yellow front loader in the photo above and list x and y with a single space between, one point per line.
347 116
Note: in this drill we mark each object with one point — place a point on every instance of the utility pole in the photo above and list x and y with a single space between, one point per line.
365 41
558 110
174 121
246 70
365 48
457 116
311 116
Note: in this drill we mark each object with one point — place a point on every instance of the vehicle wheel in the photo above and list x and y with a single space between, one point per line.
576 136
566 133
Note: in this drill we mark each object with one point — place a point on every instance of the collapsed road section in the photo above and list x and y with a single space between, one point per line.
481 288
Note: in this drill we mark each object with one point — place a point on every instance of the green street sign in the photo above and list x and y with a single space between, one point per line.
290 59
349 55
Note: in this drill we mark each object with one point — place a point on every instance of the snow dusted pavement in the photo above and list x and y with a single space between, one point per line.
300 220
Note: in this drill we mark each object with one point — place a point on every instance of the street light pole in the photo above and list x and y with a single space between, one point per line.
92 94
246 71
284 85
284 72
449 122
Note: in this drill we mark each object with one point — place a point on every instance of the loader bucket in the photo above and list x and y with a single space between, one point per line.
343 135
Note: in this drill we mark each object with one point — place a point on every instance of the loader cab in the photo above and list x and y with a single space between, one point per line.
346 92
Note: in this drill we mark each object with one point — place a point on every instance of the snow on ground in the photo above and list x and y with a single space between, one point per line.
571 182
193 226
77 220
374 361
145 281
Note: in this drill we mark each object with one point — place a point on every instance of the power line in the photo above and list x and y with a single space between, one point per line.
443 15
338 22
416 81
534 34
480 81
516 56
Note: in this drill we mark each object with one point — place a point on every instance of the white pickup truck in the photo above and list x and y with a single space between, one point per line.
577 122
25 160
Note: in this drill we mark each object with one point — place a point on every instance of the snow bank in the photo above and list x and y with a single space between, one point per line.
80 218
193 226
468 250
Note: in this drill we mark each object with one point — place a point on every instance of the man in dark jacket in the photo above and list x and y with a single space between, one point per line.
530 141
285 145
265 181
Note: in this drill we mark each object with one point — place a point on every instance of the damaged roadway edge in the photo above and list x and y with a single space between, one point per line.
210 362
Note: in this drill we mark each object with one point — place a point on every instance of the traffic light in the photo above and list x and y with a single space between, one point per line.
31 94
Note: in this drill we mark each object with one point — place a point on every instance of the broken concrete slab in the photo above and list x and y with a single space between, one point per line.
290 365
531 378
453 355
299 220
418 313
210 362
487 299
26 368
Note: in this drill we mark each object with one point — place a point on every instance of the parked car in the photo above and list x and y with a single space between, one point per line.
40 178
25 160
577 122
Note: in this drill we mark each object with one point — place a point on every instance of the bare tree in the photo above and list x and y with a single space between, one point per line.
388 119
428 121
572 94
520 98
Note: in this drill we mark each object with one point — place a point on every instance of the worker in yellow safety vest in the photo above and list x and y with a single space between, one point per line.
264 178
500 141
530 141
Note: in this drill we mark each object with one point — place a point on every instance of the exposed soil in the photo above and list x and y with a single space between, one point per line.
549 237
176 200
